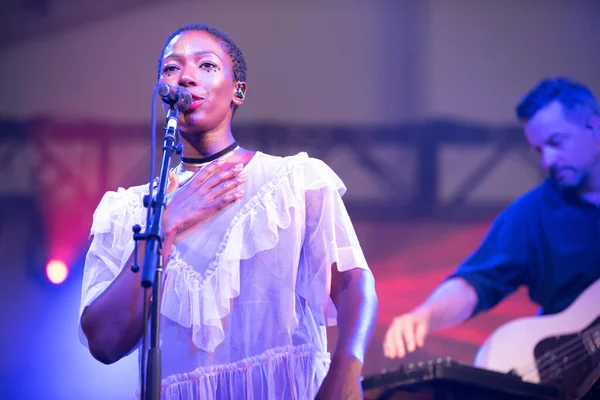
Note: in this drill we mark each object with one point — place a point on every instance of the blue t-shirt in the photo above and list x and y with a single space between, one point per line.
546 240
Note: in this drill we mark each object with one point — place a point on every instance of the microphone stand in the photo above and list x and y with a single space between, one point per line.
153 260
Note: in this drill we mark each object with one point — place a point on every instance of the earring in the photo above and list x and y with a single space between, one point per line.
239 92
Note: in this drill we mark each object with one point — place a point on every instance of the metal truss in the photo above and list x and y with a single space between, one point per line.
415 196
391 172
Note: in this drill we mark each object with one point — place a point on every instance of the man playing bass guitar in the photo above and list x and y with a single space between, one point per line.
547 240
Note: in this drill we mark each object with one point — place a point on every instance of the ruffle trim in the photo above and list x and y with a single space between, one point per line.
202 300
116 208
295 358
118 212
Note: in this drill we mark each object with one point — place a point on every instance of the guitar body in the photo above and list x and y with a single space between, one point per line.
561 349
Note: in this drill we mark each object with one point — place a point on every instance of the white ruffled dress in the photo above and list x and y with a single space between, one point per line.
246 294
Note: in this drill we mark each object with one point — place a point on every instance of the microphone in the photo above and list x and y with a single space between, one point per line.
175 96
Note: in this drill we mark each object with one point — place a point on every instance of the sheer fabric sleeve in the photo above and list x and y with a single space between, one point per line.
329 238
111 245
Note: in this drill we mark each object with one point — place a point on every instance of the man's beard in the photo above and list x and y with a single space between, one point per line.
574 181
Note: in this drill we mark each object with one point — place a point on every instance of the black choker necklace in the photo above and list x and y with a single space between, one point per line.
192 160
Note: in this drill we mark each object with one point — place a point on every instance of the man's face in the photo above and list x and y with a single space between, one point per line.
569 150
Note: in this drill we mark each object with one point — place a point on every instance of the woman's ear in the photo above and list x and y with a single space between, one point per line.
239 94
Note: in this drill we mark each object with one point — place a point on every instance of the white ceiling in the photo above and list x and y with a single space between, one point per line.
28 19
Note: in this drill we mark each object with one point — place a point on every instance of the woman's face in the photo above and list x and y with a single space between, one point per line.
197 61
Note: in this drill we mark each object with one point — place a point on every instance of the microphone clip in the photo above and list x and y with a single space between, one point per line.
176 97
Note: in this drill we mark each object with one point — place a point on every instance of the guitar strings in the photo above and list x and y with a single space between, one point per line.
566 349
574 359
562 351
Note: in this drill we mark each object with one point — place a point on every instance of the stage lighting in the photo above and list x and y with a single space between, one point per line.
56 271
